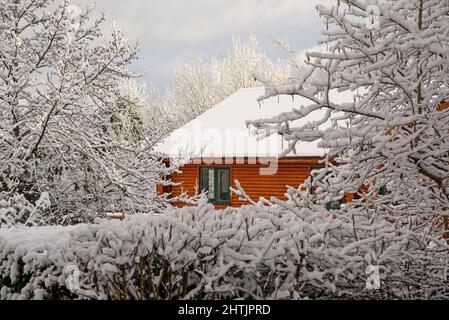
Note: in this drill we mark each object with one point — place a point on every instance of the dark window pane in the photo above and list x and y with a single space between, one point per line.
223 184
216 183
383 190
211 184
334 205
208 182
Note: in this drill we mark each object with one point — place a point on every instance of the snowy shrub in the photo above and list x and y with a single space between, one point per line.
254 252
16 210
13 210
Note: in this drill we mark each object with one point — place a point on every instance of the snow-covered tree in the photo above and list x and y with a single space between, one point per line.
68 128
242 61
193 91
199 85
390 146
150 111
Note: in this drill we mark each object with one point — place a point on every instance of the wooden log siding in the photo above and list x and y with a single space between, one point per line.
291 172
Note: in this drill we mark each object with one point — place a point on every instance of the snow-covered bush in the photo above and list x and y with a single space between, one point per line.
254 252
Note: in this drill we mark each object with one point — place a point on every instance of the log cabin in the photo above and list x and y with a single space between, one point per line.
217 148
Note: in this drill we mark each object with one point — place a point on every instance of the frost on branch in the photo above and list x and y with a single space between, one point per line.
254 252
69 126
390 146
199 84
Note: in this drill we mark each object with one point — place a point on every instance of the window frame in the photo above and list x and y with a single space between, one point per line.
216 169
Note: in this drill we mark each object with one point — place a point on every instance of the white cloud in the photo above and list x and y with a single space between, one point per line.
169 30
191 21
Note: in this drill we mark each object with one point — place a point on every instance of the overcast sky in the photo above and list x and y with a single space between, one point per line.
170 31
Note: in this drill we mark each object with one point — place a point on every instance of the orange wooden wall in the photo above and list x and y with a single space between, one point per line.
291 172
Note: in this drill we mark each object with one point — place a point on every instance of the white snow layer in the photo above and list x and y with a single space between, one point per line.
222 131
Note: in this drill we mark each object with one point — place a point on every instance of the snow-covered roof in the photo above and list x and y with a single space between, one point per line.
222 131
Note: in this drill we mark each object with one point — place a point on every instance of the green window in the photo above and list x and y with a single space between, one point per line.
334 205
216 182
